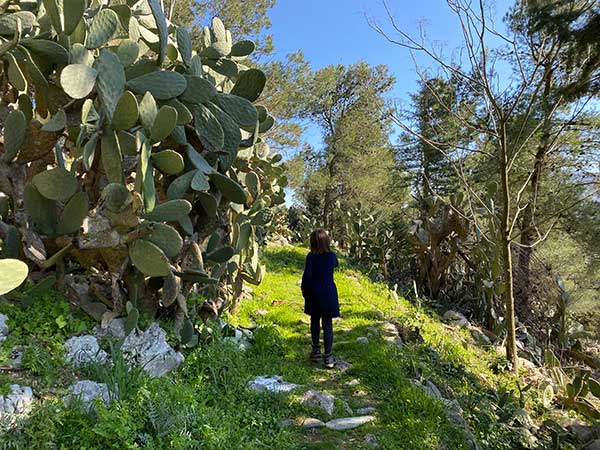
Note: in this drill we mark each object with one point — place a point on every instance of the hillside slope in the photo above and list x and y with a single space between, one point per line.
390 376
429 385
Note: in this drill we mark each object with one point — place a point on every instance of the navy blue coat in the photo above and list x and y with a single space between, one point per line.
318 287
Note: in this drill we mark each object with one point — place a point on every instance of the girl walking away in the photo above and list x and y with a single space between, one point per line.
320 294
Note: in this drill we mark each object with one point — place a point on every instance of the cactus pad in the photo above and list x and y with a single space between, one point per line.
163 85
250 84
126 112
14 134
73 214
166 238
78 80
12 273
164 124
102 29
239 108
170 211
56 184
148 258
230 189
168 161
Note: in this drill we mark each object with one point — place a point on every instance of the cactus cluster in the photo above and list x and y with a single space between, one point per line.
131 157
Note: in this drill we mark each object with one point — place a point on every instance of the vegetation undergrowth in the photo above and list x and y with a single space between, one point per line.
206 403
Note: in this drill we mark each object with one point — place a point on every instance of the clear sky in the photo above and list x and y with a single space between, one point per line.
337 32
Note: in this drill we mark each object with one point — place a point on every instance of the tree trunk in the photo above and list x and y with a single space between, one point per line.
505 241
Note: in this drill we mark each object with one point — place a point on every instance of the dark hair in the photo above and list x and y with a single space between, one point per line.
319 241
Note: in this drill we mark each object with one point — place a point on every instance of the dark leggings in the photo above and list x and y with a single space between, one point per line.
315 331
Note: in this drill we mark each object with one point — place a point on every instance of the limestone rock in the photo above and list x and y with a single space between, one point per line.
271 384
342 366
455 318
81 350
479 337
86 392
353 383
371 440
367 410
362 340
261 312
311 422
389 329
17 403
348 423
318 399
150 350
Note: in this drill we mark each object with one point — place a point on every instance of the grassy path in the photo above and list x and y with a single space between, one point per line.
407 418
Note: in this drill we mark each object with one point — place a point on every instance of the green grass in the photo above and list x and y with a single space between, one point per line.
206 404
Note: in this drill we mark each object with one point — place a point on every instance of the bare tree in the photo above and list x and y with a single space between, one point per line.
504 123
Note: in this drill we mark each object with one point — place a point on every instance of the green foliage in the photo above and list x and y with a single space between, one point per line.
121 73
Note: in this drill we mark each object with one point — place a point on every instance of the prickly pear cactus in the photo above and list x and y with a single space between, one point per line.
131 160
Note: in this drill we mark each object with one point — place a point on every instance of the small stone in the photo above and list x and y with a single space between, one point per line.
342 366
394 340
348 423
367 410
389 329
479 337
362 340
455 318
304 321
86 391
311 422
81 350
353 383
261 312
318 399
271 384
371 440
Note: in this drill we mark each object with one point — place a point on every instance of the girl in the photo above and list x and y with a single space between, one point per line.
320 294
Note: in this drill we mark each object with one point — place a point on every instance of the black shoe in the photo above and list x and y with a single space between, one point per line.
329 361
315 354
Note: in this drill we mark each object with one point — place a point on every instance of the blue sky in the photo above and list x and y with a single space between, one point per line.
337 32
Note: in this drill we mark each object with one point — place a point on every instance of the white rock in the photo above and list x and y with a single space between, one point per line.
455 318
389 329
362 340
353 383
150 350
366 410
318 399
371 440
311 422
82 350
87 391
348 423
271 384
3 327
17 402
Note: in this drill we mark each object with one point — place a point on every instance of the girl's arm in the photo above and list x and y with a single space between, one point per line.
307 275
